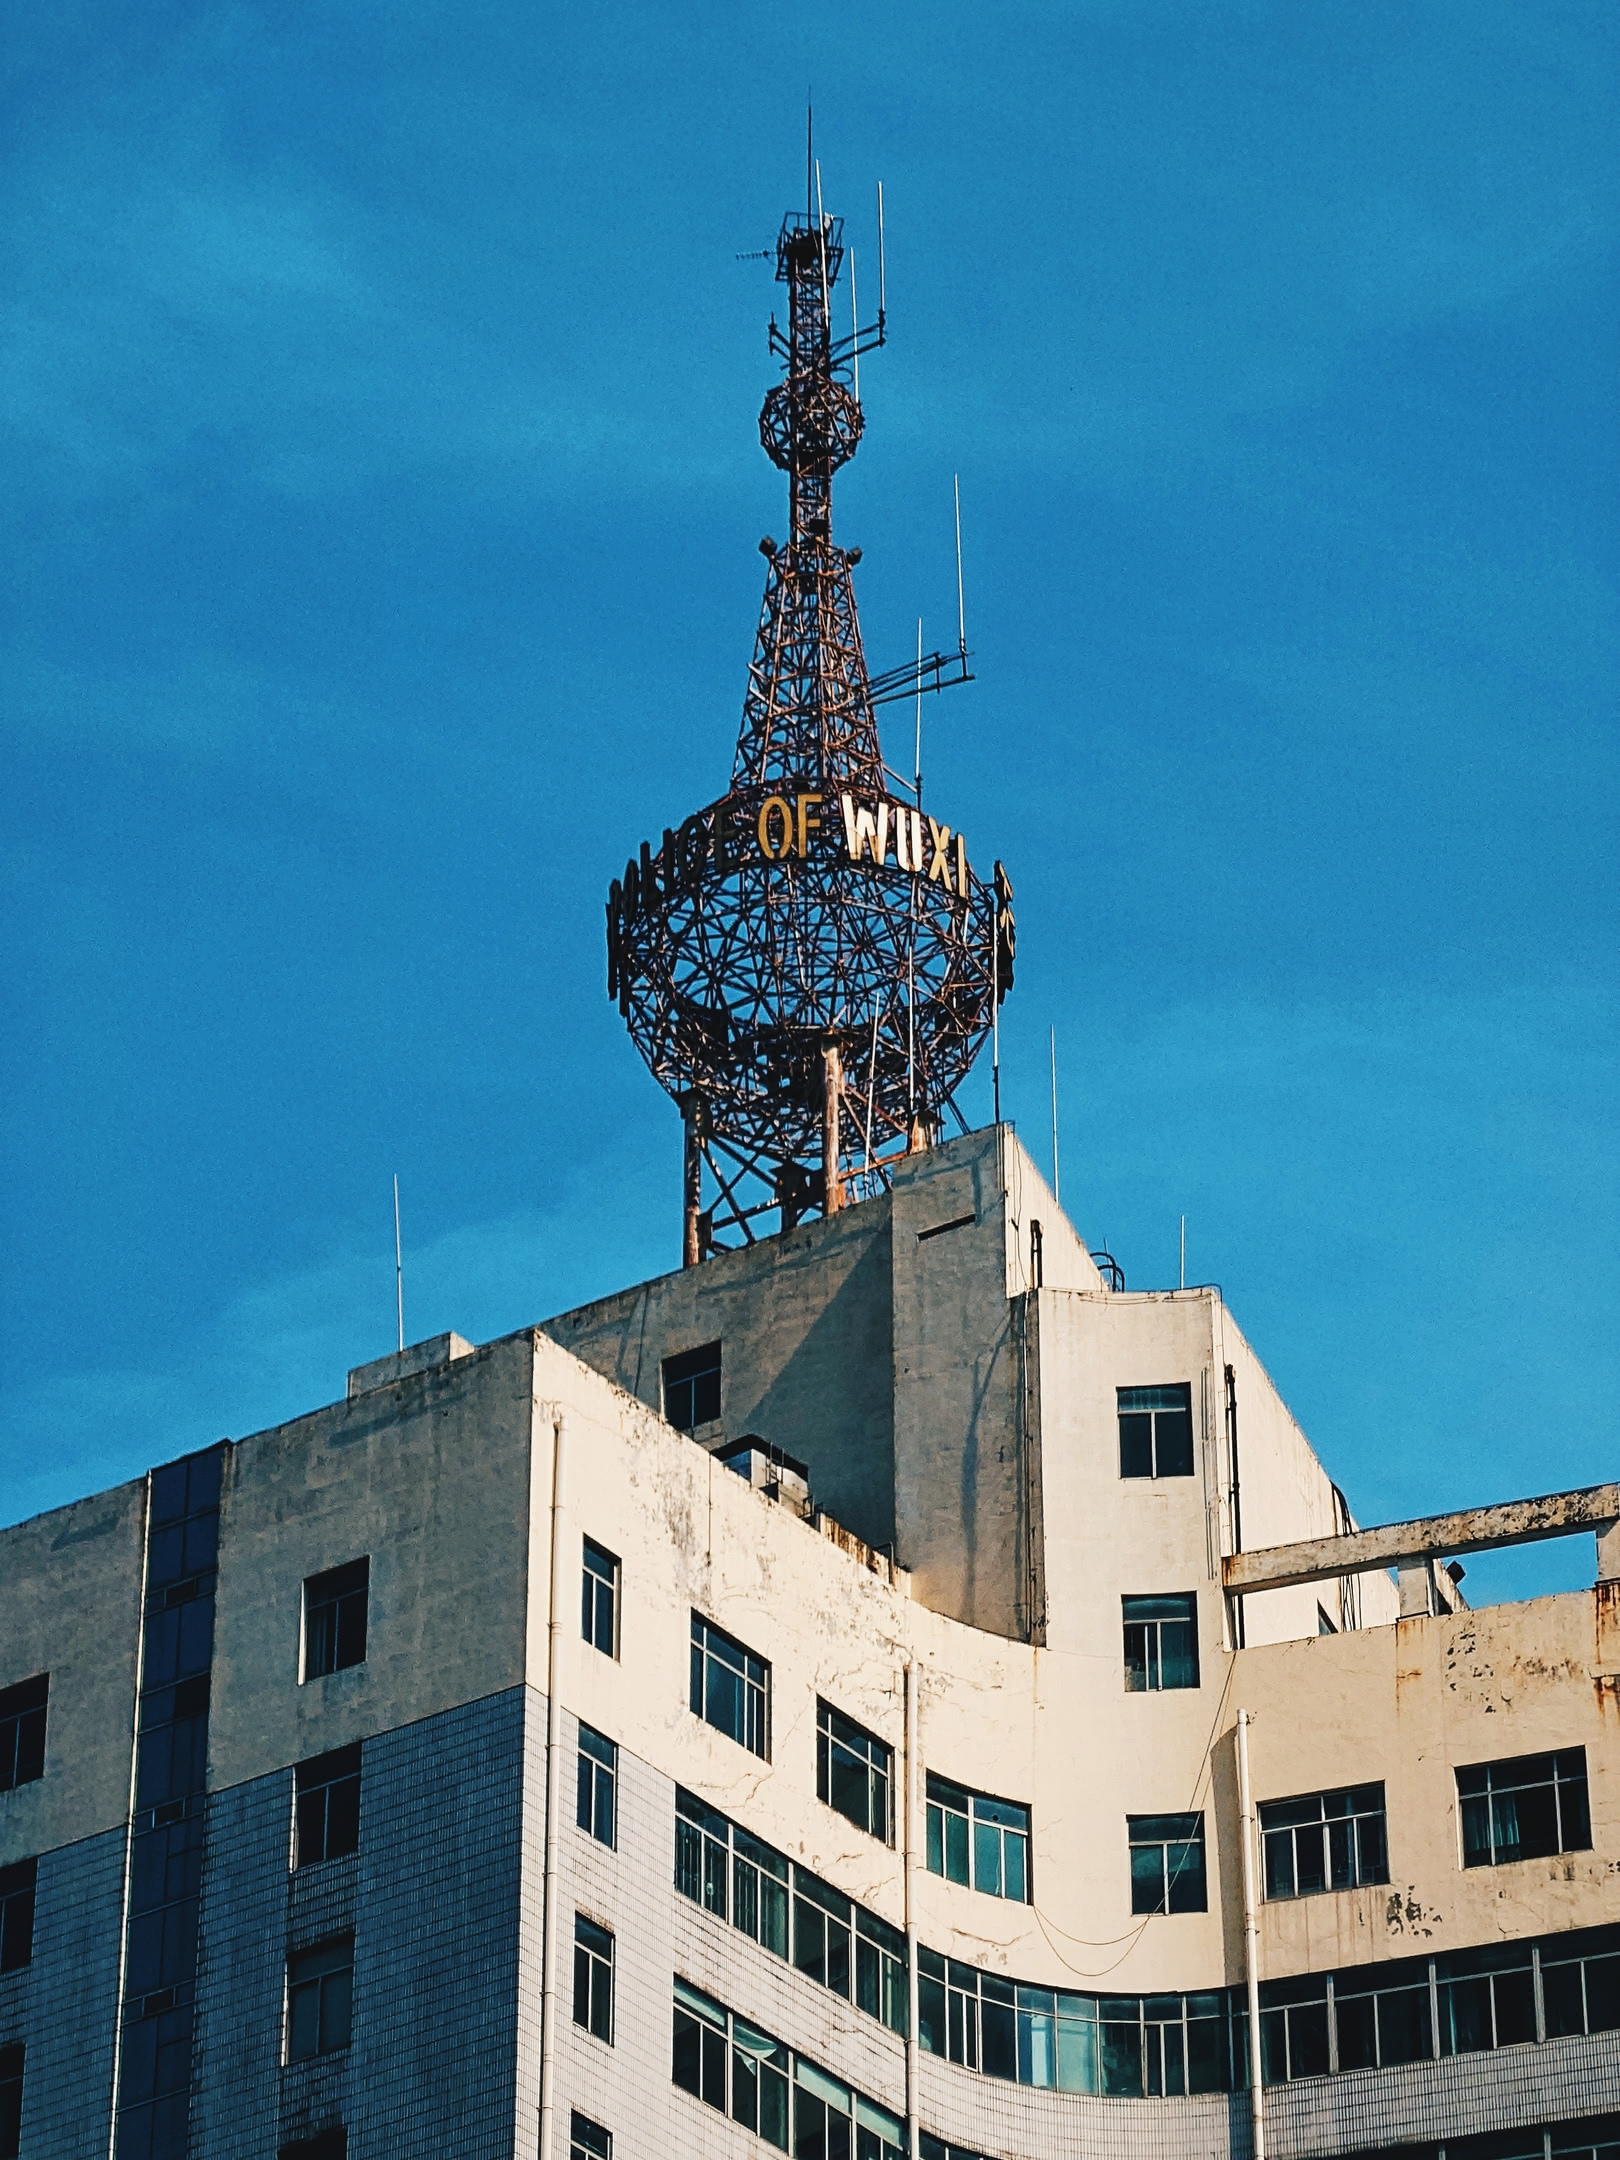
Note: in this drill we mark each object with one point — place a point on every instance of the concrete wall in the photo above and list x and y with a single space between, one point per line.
72 1589
429 1477
804 1319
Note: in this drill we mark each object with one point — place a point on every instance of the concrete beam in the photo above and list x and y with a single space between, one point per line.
1514 1522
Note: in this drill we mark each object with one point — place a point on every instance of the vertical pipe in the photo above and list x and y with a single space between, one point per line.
1251 1939
832 1082
548 1940
910 1802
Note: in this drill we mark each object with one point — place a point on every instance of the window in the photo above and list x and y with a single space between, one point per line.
1152 2045
730 1687
1294 2029
1524 1808
17 1915
1381 2017
974 1839
719 1866
324 2145
1155 1432
854 1772
742 2072
328 1806
929 2146
1324 1841
593 1978
335 1619
22 1731
1486 1998
588 2140
1598 2138
833 1940
1167 1863
692 1387
11 2081
598 1783
1580 1983
1161 1643
320 1993
599 1599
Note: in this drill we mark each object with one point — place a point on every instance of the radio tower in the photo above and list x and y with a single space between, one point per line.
808 965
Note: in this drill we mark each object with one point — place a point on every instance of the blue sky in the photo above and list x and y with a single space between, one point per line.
380 565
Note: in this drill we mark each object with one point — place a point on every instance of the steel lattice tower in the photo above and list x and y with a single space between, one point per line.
808 965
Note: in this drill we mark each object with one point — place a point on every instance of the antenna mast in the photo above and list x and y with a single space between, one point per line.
807 918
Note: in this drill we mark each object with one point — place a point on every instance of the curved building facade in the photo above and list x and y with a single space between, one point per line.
803 1703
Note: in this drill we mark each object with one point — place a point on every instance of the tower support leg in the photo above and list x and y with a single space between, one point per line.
832 1088
691 1179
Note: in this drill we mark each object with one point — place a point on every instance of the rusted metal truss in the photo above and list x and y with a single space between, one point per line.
808 966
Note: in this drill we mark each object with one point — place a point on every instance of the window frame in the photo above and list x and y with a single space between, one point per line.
1560 1781
18 1890
24 1728
836 1733
711 2044
984 1824
689 1379
339 1591
597 1772
1151 1626
594 1967
1356 1841
588 2140
332 1980
13 2072
1141 1836
601 1580
320 1777
1153 1411
754 1692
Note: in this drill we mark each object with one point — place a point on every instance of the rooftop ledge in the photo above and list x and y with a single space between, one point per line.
1412 1548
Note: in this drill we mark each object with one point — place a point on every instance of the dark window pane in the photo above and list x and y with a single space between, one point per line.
1136 1446
1173 1443
1147 1880
1562 1999
1515 2008
1403 2026
1357 2031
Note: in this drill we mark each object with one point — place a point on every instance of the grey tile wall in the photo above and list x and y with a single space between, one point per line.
64 2005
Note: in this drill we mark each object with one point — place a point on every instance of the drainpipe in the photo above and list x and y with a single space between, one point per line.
912 2142
548 1939
1251 1939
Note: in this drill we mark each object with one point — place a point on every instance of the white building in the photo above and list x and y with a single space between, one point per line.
483 1764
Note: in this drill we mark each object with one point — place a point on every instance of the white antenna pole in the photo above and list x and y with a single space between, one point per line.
1057 1188
399 1268
882 282
918 766
961 611
855 327
995 1004
1183 1252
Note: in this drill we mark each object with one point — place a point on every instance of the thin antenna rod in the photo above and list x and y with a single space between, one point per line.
821 242
961 611
399 1268
1183 1252
854 327
918 767
882 293
1057 1186
809 156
